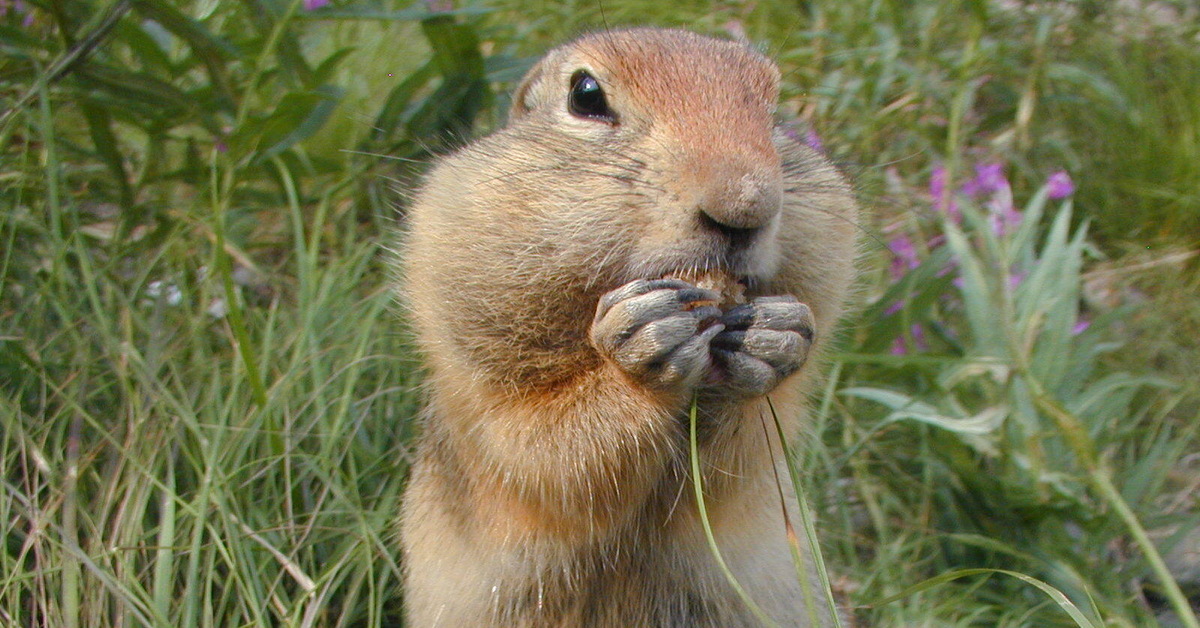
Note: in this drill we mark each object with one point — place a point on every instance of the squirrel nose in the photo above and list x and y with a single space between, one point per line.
741 207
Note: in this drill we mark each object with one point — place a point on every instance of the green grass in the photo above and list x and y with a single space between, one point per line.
207 392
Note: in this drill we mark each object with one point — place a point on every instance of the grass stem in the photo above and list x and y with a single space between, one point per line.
698 485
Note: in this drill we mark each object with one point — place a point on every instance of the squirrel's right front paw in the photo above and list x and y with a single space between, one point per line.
658 331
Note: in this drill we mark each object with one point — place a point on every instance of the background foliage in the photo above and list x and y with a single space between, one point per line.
208 397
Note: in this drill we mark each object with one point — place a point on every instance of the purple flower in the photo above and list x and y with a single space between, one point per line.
1080 327
312 5
989 178
904 256
900 346
1059 185
904 259
809 138
942 203
18 7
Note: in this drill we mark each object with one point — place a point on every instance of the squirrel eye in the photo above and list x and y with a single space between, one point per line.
587 99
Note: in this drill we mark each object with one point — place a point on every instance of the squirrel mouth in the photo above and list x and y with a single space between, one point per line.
731 287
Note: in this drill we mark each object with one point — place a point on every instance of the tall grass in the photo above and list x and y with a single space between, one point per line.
208 396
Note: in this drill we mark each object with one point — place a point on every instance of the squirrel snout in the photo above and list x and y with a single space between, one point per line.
738 208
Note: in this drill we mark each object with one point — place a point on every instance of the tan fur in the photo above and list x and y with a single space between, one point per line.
551 487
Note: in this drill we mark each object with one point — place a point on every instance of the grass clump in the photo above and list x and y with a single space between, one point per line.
1020 429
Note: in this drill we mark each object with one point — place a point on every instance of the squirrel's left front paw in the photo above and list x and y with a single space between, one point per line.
763 342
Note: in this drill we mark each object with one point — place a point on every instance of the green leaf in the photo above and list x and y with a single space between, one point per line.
17 44
145 46
18 367
106 144
507 69
213 51
455 47
1047 302
138 97
324 72
267 16
907 408
297 117
397 103
979 288
464 92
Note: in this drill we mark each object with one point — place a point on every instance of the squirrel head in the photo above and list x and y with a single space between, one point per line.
630 154
696 114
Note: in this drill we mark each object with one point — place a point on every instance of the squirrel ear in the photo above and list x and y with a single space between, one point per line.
524 99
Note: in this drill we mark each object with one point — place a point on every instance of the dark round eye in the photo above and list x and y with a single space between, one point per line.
587 99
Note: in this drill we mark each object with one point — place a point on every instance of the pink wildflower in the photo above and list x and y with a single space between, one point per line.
1060 185
904 256
989 178
18 7
809 138
900 346
904 259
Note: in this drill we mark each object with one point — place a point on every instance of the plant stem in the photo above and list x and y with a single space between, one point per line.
1179 602
708 533
1081 444
242 342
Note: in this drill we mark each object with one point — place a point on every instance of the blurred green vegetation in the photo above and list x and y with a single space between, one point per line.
208 395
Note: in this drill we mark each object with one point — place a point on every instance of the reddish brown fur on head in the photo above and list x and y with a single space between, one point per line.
706 103
671 79
689 175
684 84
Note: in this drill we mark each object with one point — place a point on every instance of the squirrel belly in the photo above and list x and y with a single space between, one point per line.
639 236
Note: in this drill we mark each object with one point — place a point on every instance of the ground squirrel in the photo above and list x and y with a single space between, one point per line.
641 233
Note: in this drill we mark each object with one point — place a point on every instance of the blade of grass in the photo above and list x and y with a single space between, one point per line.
237 324
790 532
810 532
697 484
1054 594
70 569
164 563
